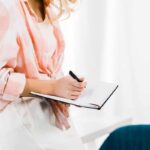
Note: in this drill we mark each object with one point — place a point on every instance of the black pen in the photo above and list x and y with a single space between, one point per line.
74 76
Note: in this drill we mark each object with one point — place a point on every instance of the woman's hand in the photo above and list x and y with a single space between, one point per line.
68 87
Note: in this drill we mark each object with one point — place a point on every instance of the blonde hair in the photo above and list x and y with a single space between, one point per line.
64 7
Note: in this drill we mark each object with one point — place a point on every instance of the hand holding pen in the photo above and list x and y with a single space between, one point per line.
76 78
70 87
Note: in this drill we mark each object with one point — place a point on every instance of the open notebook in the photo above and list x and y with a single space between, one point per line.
94 96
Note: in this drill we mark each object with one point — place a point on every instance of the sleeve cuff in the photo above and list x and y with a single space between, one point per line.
14 87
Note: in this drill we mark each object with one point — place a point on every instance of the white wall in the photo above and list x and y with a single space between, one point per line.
109 40
141 58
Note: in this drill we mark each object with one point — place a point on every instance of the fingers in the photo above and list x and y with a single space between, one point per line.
77 84
73 88
82 79
73 94
74 97
84 83
68 87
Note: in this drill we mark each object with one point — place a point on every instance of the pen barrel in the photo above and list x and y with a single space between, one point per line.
74 76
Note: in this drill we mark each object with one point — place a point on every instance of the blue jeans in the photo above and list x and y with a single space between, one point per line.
135 137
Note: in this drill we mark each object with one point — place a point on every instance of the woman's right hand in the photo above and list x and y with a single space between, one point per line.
68 87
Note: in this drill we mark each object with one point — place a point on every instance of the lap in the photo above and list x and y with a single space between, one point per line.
32 123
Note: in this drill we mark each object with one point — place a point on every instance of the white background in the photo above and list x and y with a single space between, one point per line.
109 40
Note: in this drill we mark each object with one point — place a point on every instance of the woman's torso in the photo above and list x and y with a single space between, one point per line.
39 45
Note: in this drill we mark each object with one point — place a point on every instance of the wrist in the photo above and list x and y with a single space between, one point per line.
48 87
39 86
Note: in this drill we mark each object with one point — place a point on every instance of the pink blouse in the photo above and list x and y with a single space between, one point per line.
26 50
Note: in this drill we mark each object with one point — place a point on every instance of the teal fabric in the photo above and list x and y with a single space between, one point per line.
136 137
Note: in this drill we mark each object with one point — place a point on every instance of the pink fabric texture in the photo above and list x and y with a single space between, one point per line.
24 50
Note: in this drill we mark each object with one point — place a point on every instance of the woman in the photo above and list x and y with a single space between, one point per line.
31 54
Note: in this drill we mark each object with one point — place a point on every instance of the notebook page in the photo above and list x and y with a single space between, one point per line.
96 93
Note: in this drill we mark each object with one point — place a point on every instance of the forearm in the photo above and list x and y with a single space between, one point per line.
40 86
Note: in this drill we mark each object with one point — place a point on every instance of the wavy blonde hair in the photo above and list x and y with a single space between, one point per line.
64 7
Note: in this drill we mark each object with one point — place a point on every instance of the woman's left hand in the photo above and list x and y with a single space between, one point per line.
61 112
